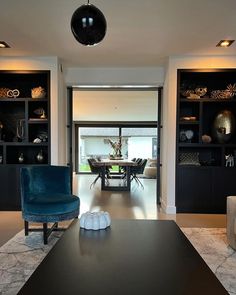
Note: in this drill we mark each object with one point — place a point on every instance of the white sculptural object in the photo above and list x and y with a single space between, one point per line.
95 220
229 161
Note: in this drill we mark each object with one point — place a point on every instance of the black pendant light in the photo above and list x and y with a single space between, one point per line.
88 25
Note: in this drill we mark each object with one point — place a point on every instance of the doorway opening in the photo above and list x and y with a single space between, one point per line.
96 115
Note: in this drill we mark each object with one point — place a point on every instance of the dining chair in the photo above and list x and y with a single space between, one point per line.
46 197
95 169
134 170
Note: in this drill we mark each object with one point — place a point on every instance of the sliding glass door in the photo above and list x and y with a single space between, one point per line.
140 142
93 142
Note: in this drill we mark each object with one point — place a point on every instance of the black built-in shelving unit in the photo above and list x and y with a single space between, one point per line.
20 111
203 188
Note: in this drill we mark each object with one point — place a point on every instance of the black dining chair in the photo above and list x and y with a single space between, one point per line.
134 170
138 160
95 169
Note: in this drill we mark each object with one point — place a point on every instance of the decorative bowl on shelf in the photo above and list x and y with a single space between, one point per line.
38 92
3 92
186 93
194 94
221 94
188 118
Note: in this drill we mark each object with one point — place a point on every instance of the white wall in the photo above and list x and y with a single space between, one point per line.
115 105
52 64
115 76
62 119
169 117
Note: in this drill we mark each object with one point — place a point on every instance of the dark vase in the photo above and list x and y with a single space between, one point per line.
20 129
40 157
21 158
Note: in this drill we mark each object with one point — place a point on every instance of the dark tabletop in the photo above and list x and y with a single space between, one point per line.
133 257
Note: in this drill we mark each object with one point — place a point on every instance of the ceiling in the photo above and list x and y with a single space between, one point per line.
139 33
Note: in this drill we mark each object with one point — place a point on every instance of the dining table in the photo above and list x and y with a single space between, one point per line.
123 180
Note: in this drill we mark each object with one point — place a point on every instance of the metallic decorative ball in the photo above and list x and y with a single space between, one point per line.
223 126
88 25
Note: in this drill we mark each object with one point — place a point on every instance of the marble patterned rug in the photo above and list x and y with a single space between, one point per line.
20 256
212 245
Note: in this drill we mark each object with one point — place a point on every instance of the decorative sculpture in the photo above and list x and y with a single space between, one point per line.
116 148
223 126
20 129
13 93
38 92
229 160
95 220
41 113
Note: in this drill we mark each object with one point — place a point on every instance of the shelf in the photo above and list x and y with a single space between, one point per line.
199 166
188 122
38 121
189 99
207 99
208 145
201 145
23 144
22 165
9 99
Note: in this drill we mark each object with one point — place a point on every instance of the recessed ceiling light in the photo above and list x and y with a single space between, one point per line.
4 45
224 43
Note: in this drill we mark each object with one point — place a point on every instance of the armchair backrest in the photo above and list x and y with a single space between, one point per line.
36 180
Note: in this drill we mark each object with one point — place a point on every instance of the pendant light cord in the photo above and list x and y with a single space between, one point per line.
88 2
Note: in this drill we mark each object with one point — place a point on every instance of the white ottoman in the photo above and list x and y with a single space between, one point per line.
231 221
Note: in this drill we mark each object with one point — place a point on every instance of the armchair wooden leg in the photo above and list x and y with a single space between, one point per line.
46 230
26 228
45 233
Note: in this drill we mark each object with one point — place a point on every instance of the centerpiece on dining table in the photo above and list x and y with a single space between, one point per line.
116 152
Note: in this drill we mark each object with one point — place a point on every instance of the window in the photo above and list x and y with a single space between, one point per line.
93 143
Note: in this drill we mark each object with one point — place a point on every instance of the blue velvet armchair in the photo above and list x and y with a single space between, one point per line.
46 197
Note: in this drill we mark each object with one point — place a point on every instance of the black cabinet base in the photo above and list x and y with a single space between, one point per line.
204 189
